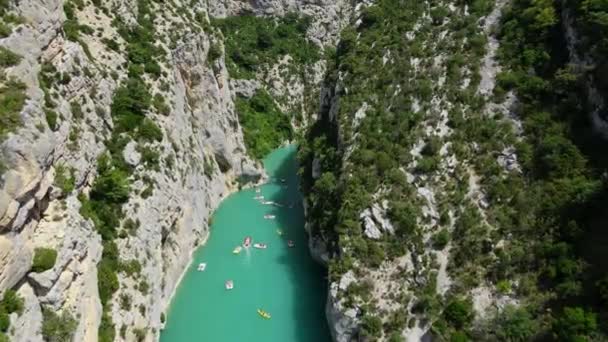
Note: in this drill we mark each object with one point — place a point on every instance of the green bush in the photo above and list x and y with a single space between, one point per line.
160 105
459 313
264 126
253 41
65 179
11 302
5 320
371 325
51 119
12 99
58 328
44 259
515 324
575 324
8 58
149 131
441 239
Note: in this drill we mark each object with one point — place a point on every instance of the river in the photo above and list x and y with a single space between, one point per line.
280 280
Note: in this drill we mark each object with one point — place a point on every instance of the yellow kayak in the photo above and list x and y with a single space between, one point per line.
264 314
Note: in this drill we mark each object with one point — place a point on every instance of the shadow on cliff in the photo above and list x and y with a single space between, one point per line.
308 277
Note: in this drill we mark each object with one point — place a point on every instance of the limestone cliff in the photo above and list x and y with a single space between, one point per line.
200 158
74 57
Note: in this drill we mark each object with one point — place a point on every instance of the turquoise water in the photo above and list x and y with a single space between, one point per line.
283 281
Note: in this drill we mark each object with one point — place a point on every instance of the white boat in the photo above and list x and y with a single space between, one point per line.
267 202
280 232
291 244
237 249
229 284
258 190
202 266
269 217
260 245
260 197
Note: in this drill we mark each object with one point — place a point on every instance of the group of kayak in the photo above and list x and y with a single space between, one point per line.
247 242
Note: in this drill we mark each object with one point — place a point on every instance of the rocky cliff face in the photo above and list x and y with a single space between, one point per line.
199 159
75 55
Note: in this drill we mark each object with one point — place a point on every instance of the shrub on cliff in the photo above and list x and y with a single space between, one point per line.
12 99
58 328
44 259
254 41
8 58
265 127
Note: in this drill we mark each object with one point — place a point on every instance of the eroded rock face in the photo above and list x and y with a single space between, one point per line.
201 154
343 321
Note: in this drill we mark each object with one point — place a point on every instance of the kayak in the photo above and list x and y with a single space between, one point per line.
264 314
280 232
291 244
237 250
269 217
260 245
202 266
247 242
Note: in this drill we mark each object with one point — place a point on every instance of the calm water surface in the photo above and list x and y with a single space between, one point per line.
283 281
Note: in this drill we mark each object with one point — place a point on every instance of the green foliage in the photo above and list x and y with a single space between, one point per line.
12 99
575 324
515 324
65 179
8 58
252 42
459 313
5 321
264 126
149 131
441 239
160 105
129 105
71 27
58 328
11 302
107 330
371 325
51 119
44 259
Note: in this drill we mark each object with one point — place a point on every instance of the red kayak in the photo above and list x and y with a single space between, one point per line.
247 242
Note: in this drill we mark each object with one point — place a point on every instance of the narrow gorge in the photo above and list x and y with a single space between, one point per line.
450 160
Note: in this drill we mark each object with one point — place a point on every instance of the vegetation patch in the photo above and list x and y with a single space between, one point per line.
265 127
58 327
44 259
12 99
11 302
252 42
